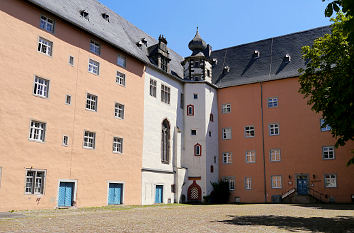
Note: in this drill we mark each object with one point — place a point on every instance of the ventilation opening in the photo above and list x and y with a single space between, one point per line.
226 69
84 14
287 58
139 44
144 41
105 17
256 54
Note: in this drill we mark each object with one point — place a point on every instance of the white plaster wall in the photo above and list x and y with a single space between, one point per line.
150 180
212 150
155 112
203 106
195 164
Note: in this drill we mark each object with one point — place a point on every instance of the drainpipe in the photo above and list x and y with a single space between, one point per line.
263 152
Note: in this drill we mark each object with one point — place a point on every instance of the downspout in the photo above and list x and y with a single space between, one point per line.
263 152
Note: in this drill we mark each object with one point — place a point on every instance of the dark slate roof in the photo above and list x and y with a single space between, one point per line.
118 31
271 65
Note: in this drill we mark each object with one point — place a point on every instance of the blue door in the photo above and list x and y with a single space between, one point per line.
66 193
115 194
158 193
302 186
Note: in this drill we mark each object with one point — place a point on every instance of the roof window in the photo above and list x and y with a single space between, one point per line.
84 14
287 58
105 17
256 54
226 69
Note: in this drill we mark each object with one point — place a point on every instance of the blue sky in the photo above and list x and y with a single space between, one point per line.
222 23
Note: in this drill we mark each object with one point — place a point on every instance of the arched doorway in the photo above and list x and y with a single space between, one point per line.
194 192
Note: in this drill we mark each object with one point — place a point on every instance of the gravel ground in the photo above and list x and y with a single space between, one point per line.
186 218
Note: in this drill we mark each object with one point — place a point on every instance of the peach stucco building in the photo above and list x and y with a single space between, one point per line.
96 112
45 97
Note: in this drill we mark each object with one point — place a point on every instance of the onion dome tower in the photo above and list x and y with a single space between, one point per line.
198 66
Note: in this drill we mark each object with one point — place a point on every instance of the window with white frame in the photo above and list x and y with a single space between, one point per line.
324 127
94 67
328 152
248 183
47 24
119 110
117 145
227 157
153 85
274 155
273 129
193 132
37 131
68 99
195 96
41 87
276 182
249 131
121 61
226 133
91 102
120 78
35 180
95 47
231 181
272 102
250 156
226 108
65 140
89 140
330 180
165 94
45 46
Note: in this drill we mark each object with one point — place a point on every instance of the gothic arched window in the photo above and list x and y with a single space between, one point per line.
165 142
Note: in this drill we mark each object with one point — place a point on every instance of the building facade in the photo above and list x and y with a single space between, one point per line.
96 112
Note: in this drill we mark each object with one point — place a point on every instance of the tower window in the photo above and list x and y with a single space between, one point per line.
197 149
190 110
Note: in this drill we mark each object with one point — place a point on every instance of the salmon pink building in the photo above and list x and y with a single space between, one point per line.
96 112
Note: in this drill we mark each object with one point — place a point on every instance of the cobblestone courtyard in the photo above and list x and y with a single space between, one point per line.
185 218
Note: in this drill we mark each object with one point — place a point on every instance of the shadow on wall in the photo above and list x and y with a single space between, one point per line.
314 224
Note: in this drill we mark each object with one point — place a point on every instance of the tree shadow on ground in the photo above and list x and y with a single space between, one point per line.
314 224
328 206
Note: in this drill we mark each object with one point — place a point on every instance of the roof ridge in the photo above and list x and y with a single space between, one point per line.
274 37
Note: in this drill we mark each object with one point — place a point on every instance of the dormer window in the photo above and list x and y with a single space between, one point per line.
164 64
105 17
84 14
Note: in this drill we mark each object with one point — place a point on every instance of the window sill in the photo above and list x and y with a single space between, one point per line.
90 110
34 140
